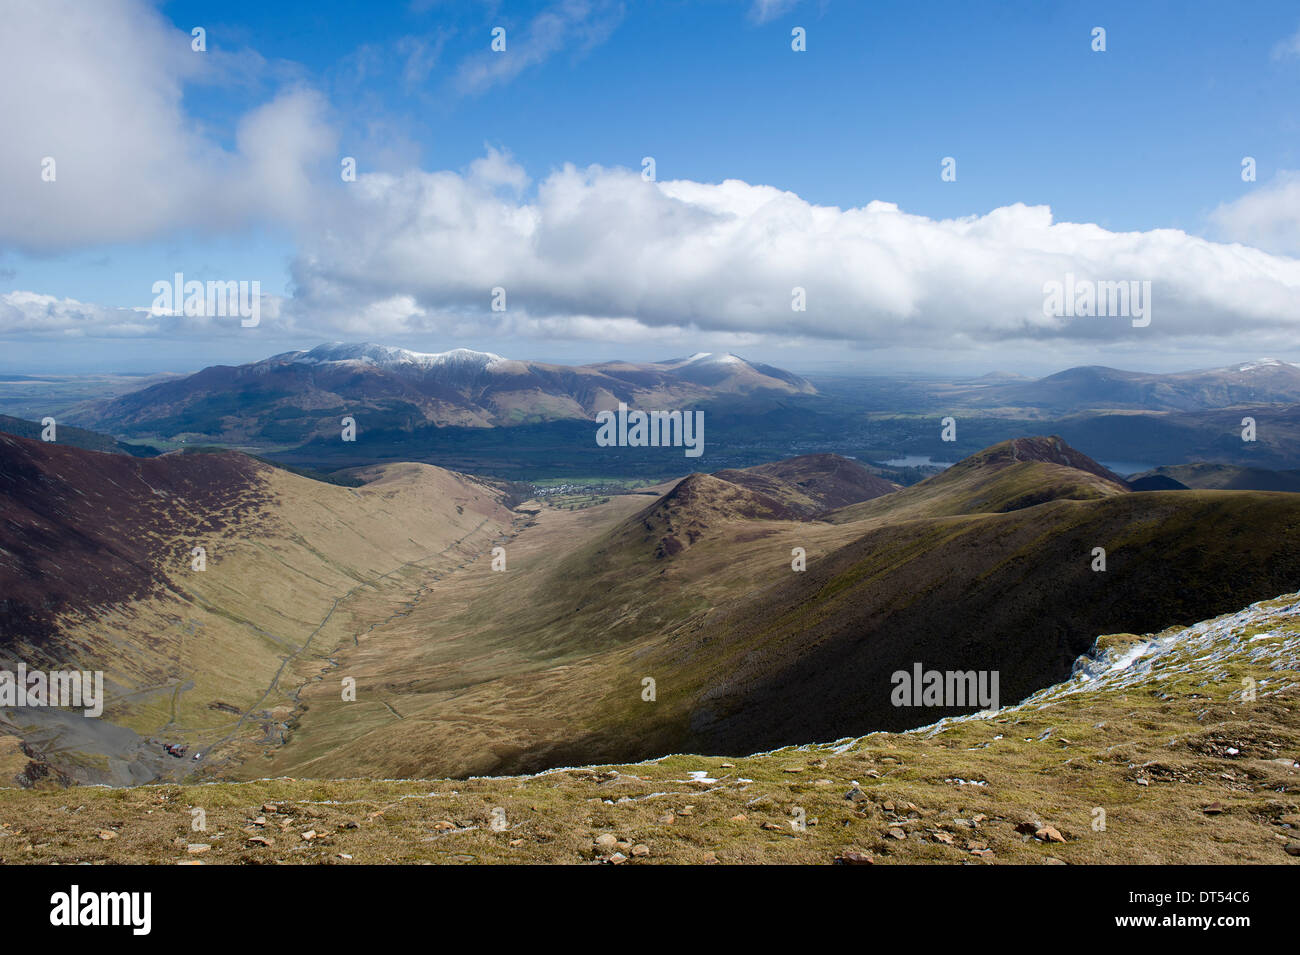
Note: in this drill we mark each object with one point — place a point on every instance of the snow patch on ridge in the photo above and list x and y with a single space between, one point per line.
385 356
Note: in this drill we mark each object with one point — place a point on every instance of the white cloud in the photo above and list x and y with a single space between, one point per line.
602 253
1268 217
98 88
25 314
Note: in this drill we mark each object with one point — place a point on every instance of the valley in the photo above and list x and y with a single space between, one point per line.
376 631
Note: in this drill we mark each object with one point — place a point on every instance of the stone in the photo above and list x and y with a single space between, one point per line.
640 850
1049 834
854 858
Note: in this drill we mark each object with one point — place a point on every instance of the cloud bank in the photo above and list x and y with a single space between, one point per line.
592 245
587 252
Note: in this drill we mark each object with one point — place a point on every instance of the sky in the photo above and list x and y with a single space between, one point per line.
897 196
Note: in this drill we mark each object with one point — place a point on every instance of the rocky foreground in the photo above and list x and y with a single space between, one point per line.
1179 747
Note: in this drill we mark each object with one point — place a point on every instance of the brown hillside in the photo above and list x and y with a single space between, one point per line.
811 483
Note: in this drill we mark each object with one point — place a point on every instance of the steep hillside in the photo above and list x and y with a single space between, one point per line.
99 573
83 531
1008 476
812 483
1014 593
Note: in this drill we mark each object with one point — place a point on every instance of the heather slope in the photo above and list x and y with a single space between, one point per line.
99 574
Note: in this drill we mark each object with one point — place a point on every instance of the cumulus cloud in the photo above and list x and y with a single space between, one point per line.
1269 217
97 89
25 314
603 253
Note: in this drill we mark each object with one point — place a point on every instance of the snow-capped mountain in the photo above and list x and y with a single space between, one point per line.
385 356
297 395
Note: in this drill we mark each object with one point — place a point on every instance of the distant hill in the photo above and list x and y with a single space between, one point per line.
1267 380
1006 477
695 507
1150 481
1223 477
76 438
297 396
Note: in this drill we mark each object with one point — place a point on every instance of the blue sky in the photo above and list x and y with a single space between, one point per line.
1148 135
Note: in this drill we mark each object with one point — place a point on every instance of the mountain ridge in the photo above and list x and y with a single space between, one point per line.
296 396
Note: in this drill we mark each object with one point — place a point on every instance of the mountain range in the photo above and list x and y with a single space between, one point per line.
1265 381
296 396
